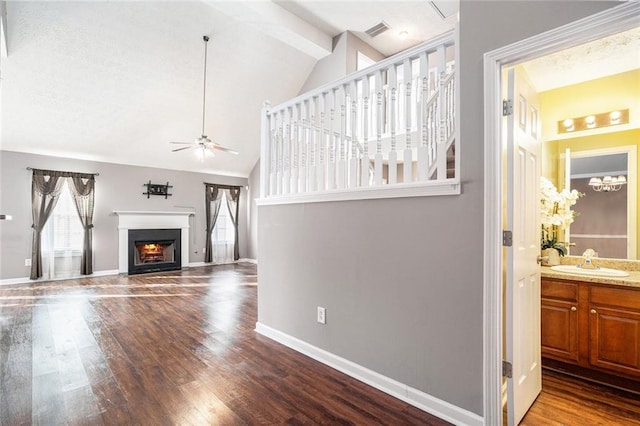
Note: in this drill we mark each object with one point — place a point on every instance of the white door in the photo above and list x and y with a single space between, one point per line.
524 152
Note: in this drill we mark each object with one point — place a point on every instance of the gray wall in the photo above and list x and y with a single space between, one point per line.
401 279
341 62
119 187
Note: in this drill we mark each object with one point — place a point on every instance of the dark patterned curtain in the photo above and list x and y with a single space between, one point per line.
233 204
45 190
213 201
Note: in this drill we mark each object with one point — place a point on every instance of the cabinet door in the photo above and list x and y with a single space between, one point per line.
559 330
615 340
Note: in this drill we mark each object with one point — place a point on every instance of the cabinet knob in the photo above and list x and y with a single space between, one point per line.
573 309
593 311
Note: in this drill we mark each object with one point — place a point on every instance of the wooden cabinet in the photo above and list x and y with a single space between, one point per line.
559 320
591 325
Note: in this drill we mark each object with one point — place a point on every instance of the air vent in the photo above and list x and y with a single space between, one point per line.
377 29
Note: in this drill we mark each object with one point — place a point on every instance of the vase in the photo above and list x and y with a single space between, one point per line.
552 257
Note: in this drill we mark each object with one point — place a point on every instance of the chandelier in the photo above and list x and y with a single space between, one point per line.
607 183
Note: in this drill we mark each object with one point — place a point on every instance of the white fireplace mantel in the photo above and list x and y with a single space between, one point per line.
150 220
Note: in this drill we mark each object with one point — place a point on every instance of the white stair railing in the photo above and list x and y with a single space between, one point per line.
391 124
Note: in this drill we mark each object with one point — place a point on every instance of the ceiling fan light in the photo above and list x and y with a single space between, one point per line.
595 181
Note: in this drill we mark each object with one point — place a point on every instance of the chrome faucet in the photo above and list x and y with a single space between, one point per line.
588 263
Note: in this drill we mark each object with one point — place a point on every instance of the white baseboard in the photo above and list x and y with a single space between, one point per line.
24 280
419 399
195 264
247 260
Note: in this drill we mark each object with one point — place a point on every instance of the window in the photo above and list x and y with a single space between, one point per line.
223 231
62 239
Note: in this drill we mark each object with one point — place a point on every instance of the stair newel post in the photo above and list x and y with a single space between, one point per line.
364 163
379 120
286 152
304 140
353 161
320 167
441 156
407 160
331 162
423 160
311 171
266 142
342 162
295 148
393 154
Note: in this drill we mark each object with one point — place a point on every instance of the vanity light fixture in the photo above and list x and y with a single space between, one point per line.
594 121
607 183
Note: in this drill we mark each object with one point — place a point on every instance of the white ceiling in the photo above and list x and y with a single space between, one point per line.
116 81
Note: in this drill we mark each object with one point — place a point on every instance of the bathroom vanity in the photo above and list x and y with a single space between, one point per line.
592 323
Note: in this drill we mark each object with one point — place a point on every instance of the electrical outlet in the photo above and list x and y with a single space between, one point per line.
27 262
204 249
322 315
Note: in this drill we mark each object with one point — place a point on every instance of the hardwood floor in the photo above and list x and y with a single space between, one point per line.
166 348
566 400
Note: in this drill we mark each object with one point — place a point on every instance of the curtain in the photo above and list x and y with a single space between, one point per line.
44 196
213 200
83 191
233 196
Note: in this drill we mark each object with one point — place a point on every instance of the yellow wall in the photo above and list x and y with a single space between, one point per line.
619 91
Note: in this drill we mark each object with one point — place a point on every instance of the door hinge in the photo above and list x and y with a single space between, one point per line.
507 107
507 238
507 369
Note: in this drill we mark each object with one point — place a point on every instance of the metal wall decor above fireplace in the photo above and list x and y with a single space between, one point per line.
153 250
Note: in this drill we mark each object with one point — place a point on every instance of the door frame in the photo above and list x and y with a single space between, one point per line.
608 22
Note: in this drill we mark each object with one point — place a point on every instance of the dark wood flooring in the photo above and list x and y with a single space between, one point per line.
163 349
179 348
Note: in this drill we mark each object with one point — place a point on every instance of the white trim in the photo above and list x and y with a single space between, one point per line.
608 22
196 264
25 280
247 260
423 189
417 398
151 213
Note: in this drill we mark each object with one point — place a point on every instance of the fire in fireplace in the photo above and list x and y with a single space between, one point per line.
152 250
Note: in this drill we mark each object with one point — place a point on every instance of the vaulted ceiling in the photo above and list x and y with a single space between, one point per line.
117 81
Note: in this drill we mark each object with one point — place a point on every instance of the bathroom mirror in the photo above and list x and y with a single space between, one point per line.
607 219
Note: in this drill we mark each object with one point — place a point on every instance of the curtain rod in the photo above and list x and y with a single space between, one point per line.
93 174
223 186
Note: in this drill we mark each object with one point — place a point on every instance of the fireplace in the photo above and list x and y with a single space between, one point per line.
152 250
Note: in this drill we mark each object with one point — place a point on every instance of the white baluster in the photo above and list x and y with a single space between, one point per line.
408 154
280 153
364 163
379 119
393 155
423 159
353 160
441 156
295 148
320 167
286 153
331 164
341 181
304 140
312 146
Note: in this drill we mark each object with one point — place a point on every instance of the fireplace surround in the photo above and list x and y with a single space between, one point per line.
147 220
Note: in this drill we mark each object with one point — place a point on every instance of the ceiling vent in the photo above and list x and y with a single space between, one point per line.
377 29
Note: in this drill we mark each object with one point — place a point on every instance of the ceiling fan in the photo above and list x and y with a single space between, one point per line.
203 143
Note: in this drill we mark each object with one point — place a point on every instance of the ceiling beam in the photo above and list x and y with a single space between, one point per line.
278 23
4 50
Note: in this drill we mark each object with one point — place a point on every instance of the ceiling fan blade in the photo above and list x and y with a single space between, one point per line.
222 148
181 149
183 143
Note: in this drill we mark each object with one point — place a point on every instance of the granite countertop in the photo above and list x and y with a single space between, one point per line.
630 266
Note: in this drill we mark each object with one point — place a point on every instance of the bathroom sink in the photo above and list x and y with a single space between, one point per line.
601 272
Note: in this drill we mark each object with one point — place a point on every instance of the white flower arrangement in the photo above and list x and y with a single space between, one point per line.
555 213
